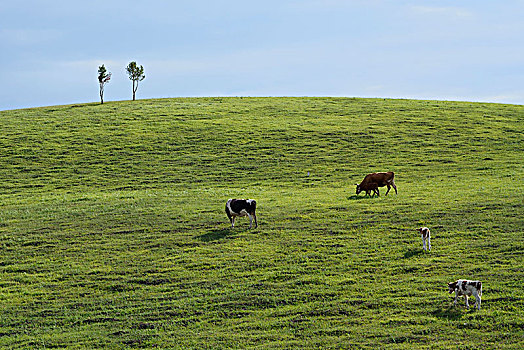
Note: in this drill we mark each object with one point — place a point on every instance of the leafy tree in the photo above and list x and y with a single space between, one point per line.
136 74
103 78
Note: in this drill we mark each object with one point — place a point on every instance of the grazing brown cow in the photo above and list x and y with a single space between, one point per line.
373 181
368 187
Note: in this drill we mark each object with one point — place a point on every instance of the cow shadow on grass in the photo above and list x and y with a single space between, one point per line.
218 234
450 313
413 252
358 198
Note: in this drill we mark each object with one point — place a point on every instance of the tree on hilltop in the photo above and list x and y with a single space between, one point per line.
103 78
136 74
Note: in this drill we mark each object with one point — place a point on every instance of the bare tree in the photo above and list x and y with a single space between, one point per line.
103 78
136 74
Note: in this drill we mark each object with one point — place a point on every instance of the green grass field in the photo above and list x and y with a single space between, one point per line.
114 235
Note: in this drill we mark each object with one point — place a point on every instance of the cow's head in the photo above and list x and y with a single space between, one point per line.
452 286
358 188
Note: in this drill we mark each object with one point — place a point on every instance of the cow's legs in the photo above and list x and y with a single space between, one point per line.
429 243
232 221
467 303
392 183
252 216
477 301
423 243
456 297
230 217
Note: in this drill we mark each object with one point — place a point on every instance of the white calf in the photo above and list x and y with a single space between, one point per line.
426 238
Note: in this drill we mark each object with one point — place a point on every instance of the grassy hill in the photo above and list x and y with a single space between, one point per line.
113 231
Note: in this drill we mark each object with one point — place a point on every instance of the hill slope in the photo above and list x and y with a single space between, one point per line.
114 232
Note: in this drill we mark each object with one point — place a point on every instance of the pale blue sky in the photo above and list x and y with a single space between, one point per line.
471 50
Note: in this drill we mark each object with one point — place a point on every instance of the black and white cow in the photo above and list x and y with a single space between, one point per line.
466 288
241 207
426 238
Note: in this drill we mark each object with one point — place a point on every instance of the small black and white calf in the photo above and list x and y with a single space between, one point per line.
426 238
466 288
241 207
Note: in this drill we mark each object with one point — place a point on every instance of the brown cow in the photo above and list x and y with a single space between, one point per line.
368 187
372 181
